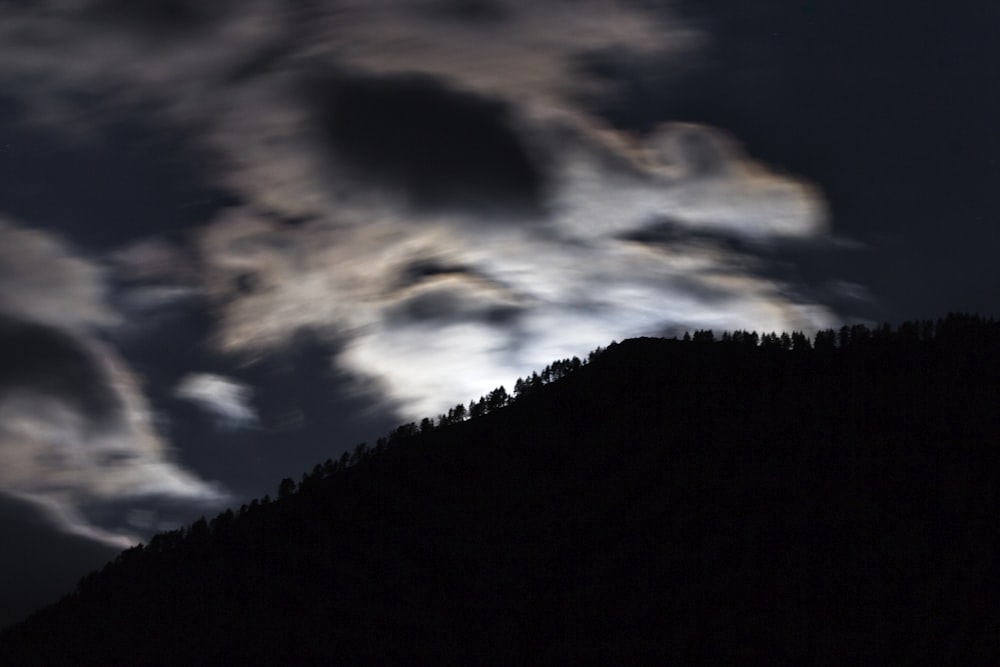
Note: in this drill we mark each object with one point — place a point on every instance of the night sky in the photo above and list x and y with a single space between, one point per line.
237 238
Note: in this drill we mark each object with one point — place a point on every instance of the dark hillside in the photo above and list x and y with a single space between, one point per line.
749 500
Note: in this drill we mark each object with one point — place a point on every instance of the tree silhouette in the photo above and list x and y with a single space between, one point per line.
496 399
477 408
286 488
825 340
703 336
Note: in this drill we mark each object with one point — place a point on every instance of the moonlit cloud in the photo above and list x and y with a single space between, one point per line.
225 399
68 456
154 260
43 281
75 428
438 309
420 185
528 50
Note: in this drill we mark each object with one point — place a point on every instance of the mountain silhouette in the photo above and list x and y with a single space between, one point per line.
755 498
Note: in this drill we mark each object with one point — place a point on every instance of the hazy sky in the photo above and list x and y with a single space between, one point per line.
236 238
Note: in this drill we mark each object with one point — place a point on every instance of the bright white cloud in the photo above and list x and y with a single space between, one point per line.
223 398
523 294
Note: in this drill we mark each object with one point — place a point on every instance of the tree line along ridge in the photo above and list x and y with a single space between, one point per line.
964 329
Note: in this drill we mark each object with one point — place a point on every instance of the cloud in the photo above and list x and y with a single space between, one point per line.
368 141
440 147
75 430
154 260
83 438
437 311
488 12
106 43
159 16
226 400
237 74
43 281
695 175
49 362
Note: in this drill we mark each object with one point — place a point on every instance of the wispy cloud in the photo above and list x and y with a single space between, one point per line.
421 184
43 281
75 428
439 306
225 399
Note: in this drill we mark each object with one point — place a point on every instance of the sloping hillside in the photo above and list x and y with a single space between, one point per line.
698 501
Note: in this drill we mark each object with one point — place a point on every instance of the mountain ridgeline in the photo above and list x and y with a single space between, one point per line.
726 498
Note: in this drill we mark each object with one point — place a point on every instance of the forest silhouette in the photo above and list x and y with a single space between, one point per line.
723 497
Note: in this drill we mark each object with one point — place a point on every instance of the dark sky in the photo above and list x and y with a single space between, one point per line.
237 240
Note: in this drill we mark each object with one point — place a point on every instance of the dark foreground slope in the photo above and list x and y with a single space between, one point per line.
670 501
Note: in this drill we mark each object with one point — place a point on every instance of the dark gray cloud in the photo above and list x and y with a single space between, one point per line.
264 60
427 269
164 17
444 304
676 233
43 360
485 12
440 147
